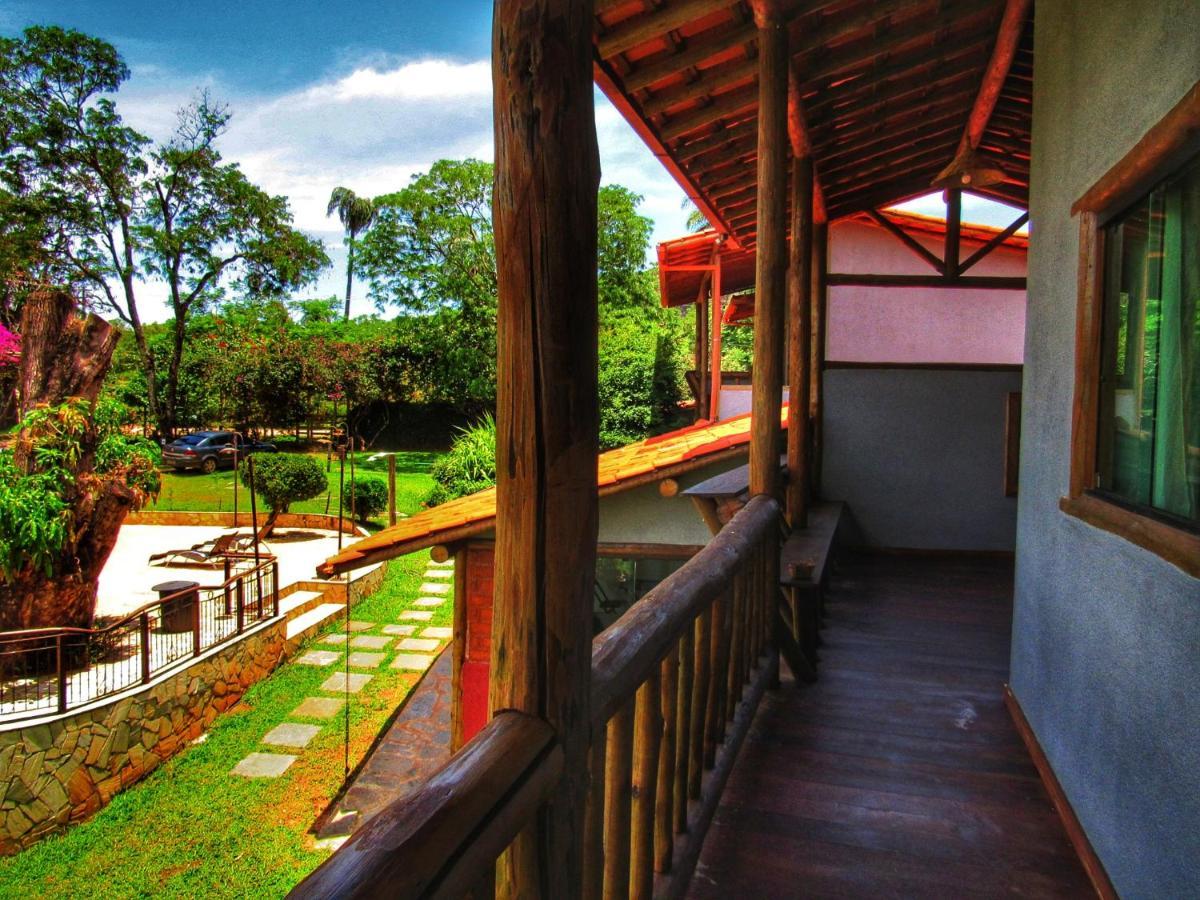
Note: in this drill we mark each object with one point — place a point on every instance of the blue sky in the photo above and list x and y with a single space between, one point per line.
361 93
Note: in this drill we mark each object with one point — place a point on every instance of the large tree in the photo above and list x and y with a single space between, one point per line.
356 215
124 211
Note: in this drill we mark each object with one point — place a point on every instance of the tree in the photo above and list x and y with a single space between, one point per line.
123 211
71 474
366 497
356 214
281 479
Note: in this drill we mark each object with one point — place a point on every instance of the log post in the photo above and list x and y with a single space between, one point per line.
799 339
544 210
820 312
647 744
714 393
702 377
771 258
953 232
391 483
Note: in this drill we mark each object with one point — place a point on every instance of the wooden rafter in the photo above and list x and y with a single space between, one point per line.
994 243
908 241
641 29
964 170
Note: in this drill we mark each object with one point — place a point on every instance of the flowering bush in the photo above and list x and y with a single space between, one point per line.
10 348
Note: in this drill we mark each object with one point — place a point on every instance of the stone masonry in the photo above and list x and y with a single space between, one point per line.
60 772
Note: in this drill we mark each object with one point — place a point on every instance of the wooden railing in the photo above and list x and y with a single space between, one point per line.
675 683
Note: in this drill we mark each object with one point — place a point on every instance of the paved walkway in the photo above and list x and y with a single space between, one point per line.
417 742
409 751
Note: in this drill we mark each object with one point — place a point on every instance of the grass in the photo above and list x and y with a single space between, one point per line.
191 828
196 492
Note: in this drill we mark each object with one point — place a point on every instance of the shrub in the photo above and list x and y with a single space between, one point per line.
281 479
638 380
366 497
470 465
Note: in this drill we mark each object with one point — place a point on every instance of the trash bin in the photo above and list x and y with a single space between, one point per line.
177 614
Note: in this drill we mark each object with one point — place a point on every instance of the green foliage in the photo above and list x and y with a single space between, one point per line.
366 497
639 376
281 479
64 457
470 465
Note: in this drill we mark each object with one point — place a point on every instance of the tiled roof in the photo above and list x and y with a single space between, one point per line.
621 469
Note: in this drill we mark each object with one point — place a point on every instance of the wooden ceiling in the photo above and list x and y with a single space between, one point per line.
881 92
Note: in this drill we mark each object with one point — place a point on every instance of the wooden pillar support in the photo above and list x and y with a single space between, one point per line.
953 232
714 393
799 328
820 312
544 211
702 377
771 258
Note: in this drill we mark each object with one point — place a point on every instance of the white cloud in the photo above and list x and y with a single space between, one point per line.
371 130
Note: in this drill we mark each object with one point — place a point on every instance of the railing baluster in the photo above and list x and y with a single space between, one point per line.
60 666
733 689
618 783
196 623
593 823
699 704
144 624
240 597
647 740
683 730
715 678
664 835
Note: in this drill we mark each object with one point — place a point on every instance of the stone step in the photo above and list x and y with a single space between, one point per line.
299 602
306 623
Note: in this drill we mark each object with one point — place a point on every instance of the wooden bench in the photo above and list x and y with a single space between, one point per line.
804 569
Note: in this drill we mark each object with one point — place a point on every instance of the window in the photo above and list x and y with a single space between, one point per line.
1135 443
1149 421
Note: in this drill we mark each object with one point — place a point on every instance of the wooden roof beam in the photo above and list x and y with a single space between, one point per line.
891 155
886 141
962 171
714 80
718 140
696 51
920 250
844 203
726 105
638 30
940 110
865 97
843 62
888 168
839 27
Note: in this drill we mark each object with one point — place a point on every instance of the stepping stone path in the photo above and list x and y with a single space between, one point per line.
318 658
366 652
264 765
420 644
412 662
291 734
319 707
341 682
370 641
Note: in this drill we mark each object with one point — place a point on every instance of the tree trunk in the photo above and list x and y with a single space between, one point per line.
269 525
349 276
62 355
167 417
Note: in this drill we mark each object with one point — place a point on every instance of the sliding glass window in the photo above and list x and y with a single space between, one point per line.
1149 422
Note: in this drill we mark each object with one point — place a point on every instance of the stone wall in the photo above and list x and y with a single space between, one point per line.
225 520
59 772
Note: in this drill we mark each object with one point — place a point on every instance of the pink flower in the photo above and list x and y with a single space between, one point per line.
10 348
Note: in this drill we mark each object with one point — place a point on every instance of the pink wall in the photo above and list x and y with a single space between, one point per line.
920 325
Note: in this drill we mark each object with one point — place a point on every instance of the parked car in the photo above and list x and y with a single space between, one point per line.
211 450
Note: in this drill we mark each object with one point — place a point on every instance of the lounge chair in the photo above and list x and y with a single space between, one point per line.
209 553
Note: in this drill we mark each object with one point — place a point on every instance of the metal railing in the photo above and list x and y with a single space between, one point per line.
674 686
45 671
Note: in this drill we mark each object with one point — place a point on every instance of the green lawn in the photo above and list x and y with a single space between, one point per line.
195 492
191 829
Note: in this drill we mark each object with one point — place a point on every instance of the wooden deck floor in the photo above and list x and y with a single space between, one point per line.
899 774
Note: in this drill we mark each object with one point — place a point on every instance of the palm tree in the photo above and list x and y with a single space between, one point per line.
357 214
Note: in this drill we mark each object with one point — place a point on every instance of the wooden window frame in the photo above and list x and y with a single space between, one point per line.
1167 144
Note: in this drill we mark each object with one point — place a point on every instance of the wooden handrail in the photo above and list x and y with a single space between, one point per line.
666 678
439 840
627 652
